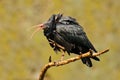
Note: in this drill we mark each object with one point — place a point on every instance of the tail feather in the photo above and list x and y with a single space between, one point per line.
95 58
87 61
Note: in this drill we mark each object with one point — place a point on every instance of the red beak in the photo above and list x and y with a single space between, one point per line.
37 28
40 26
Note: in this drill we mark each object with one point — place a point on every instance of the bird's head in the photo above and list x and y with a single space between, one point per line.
49 25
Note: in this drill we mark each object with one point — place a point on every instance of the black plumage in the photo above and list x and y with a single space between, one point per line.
66 32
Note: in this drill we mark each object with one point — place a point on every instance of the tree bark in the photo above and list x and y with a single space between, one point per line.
60 63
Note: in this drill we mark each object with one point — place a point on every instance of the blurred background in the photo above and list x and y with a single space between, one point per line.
22 58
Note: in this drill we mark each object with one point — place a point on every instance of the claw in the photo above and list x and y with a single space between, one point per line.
56 64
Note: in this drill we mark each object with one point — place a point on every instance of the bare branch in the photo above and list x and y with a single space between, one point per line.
60 63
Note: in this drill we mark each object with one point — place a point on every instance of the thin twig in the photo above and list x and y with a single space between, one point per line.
60 63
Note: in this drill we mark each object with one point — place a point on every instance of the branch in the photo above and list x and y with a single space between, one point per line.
60 63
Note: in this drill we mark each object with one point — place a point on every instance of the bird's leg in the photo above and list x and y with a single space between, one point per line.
62 57
62 49
52 42
91 51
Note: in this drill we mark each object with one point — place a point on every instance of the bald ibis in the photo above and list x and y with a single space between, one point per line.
66 34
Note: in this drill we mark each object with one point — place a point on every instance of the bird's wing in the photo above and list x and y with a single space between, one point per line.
74 34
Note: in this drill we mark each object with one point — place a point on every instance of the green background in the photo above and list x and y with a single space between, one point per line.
22 58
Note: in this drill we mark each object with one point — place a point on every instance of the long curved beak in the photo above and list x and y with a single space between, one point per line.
37 28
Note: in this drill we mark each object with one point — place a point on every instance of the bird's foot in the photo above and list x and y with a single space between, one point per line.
61 59
91 51
56 63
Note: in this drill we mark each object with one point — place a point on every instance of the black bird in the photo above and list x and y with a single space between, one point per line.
65 33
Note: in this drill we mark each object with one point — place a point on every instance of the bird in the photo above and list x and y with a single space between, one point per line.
66 34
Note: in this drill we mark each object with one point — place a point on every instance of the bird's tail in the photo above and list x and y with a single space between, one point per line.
87 61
